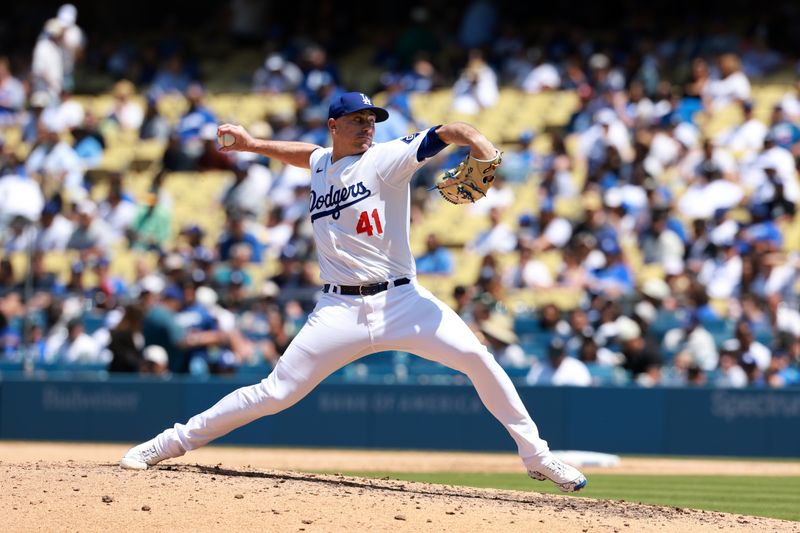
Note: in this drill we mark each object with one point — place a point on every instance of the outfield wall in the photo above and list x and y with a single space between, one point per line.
762 423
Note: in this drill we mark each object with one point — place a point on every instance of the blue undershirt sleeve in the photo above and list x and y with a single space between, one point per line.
430 145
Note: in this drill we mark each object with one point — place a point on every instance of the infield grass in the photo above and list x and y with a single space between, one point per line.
774 497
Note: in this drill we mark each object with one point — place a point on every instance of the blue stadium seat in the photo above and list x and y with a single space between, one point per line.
526 324
93 321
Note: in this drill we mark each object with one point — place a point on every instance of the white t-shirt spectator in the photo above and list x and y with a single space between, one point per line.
120 216
721 278
725 91
701 200
19 196
471 96
47 69
699 343
558 232
571 372
534 274
499 239
760 354
129 115
731 378
59 160
541 78
747 137
782 161
512 356
84 349
56 235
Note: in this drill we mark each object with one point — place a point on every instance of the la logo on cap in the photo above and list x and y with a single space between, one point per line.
365 99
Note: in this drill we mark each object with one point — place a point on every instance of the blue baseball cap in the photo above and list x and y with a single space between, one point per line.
351 102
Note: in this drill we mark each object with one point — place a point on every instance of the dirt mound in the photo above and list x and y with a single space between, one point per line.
99 496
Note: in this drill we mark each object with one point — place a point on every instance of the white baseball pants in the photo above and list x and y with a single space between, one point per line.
342 329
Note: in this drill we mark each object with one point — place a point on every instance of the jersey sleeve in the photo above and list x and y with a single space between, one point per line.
316 156
397 160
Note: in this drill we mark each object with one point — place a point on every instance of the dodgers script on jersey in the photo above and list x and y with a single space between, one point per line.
360 212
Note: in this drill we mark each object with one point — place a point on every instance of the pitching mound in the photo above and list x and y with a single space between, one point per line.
83 495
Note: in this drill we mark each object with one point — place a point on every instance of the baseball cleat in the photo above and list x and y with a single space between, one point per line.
566 478
142 456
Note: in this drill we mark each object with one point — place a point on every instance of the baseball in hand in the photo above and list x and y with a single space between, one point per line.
226 139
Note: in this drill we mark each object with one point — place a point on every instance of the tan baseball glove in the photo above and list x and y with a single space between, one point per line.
469 181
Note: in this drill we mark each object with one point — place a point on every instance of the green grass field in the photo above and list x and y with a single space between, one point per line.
774 497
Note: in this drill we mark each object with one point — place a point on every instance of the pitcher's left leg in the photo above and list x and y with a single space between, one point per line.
421 324
442 336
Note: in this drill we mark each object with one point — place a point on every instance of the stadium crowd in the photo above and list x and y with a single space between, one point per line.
676 241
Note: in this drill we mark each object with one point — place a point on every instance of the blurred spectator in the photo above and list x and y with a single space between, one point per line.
722 274
208 346
732 85
696 341
436 260
151 229
128 115
55 229
639 357
556 230
746 137
520 162
421 78
236 233
89 143
19 236
72 44
127 341
614 278
502 342
12 94
118 209
318 74
112 287
47 69
155 361
559 369
658 243
154 125
785 132
476 89
171 77
92 235
248 191
543 77
72 345
752 350
160 326
498 238
277 76
192 122
234 272
54 162
529 273
729 374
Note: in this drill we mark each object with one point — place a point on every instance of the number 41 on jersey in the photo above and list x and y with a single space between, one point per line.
365 226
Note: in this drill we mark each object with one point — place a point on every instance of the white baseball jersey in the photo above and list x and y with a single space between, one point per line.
360 211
